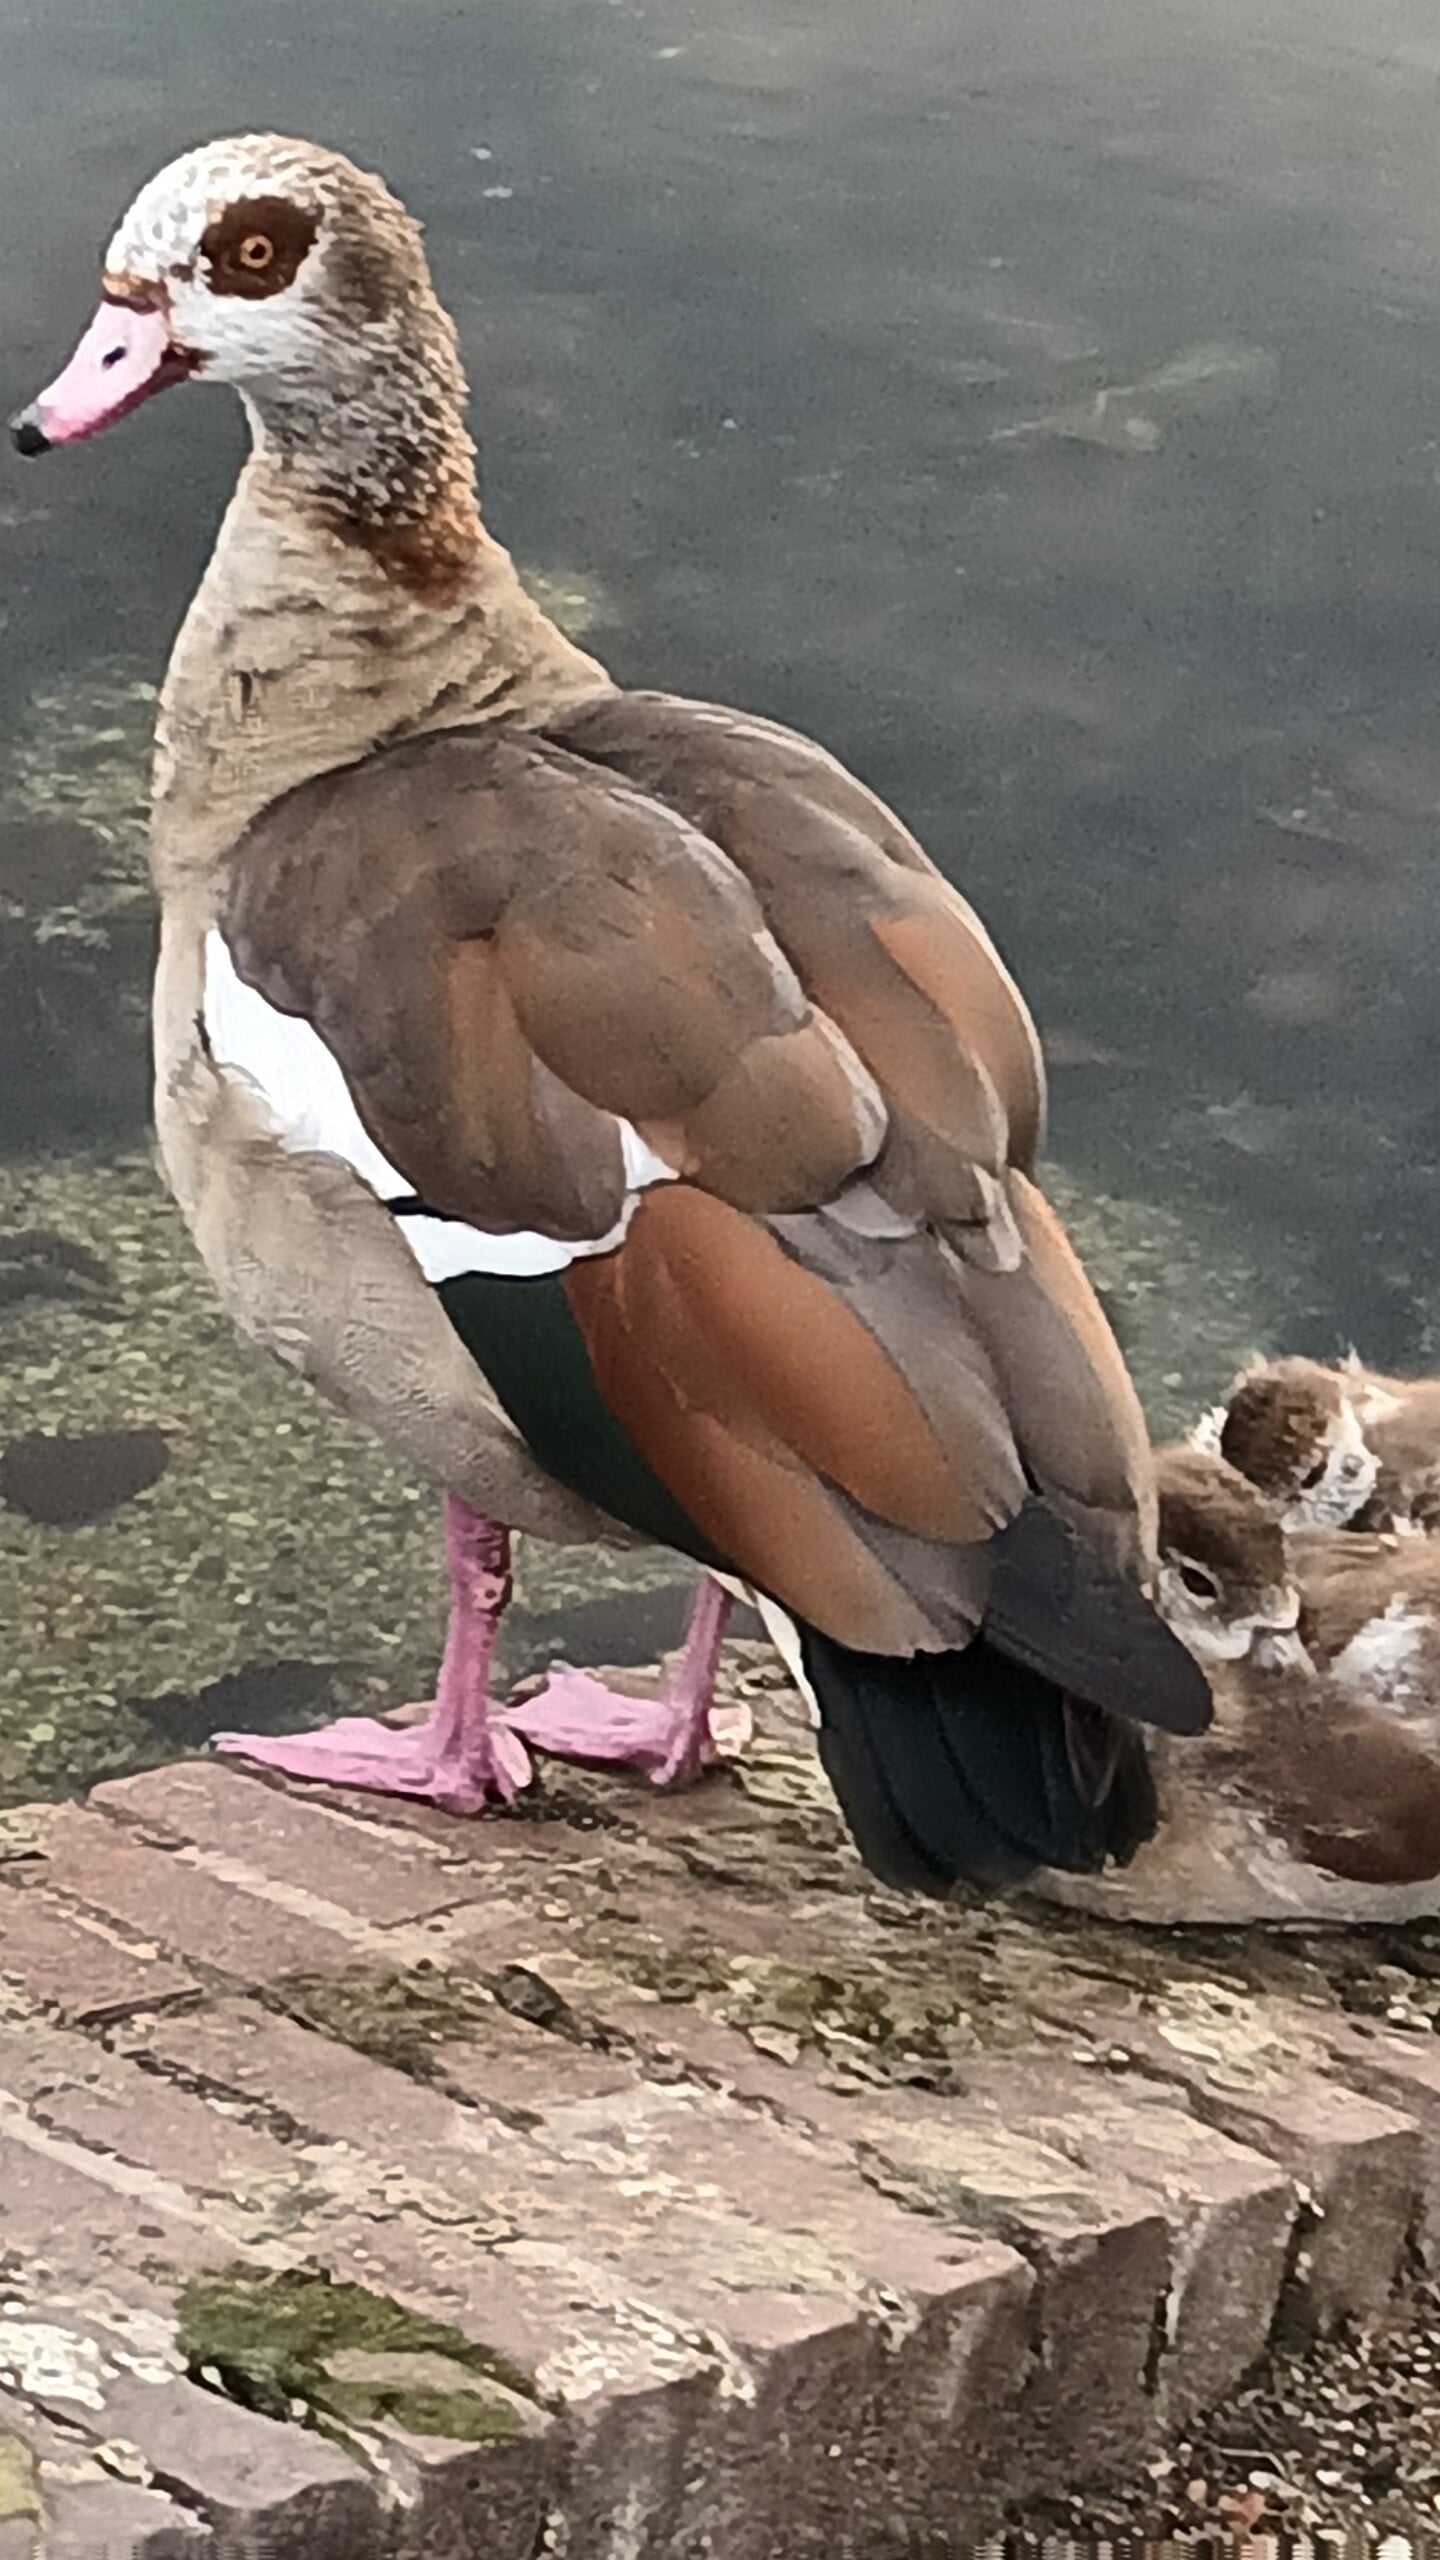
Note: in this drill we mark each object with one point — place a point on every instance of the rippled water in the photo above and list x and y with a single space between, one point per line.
1036 400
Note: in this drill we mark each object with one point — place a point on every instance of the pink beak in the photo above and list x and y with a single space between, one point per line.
124 356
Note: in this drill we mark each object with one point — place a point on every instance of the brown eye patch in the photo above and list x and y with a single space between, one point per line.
258 247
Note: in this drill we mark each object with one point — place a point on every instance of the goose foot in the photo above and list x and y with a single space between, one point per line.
672 1738
458 1758
459 1775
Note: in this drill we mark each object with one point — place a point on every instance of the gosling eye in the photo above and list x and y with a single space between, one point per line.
1316 1475
1200 1584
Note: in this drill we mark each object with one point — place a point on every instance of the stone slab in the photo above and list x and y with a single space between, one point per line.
87 2511
1401 2071
162 1896
763 2259
65 2215
254 2481
1359 2164
382 1875
114 2520
73 2087
821 2222
72 1963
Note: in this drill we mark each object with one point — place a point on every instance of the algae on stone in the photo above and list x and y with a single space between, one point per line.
19 2482
81 752
401 2016
341 2358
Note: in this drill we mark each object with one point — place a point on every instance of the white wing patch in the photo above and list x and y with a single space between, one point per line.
309 1103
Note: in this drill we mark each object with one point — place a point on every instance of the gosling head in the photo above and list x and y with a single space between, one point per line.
1223 1583
1292 1428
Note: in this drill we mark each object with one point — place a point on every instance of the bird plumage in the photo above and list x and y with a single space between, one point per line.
1316 1794
634 1042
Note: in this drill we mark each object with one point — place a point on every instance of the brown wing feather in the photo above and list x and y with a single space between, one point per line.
721 1357
936 946
505 949
1072 1406
742 1331
894 953
1348 1578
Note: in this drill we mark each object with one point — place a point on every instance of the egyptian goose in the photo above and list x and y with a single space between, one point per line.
1316 1794
1225 1582
1339 1447
603 1095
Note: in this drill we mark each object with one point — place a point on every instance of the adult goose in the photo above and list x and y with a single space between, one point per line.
602 1094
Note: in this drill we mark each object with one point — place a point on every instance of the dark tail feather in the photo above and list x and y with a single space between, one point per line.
973 1767
1060 1607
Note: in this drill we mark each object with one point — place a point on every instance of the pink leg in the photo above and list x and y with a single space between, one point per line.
579 1717
457 1758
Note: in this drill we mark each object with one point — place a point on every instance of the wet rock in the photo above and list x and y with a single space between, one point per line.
64 1480
262 1697
36 1262
619 1627
74 1062
46 862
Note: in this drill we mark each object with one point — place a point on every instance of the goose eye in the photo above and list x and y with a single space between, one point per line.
256 253
1316 1474
1200 1584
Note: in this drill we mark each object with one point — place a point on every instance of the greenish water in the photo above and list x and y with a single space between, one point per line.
1036 401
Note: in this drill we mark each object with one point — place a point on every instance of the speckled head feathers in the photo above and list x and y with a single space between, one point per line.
288 272
257 217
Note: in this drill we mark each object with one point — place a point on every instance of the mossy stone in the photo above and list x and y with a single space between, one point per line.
340 2357
19 2490
400 2017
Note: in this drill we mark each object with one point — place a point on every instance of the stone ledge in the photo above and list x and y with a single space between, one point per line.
784 2217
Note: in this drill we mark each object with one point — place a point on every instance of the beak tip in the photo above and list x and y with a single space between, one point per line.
27 434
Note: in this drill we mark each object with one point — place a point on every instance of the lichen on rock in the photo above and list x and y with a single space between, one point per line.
401 2016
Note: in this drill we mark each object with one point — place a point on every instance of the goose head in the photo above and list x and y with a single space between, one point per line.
258 261
283 270
1223 1581
1294 1430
